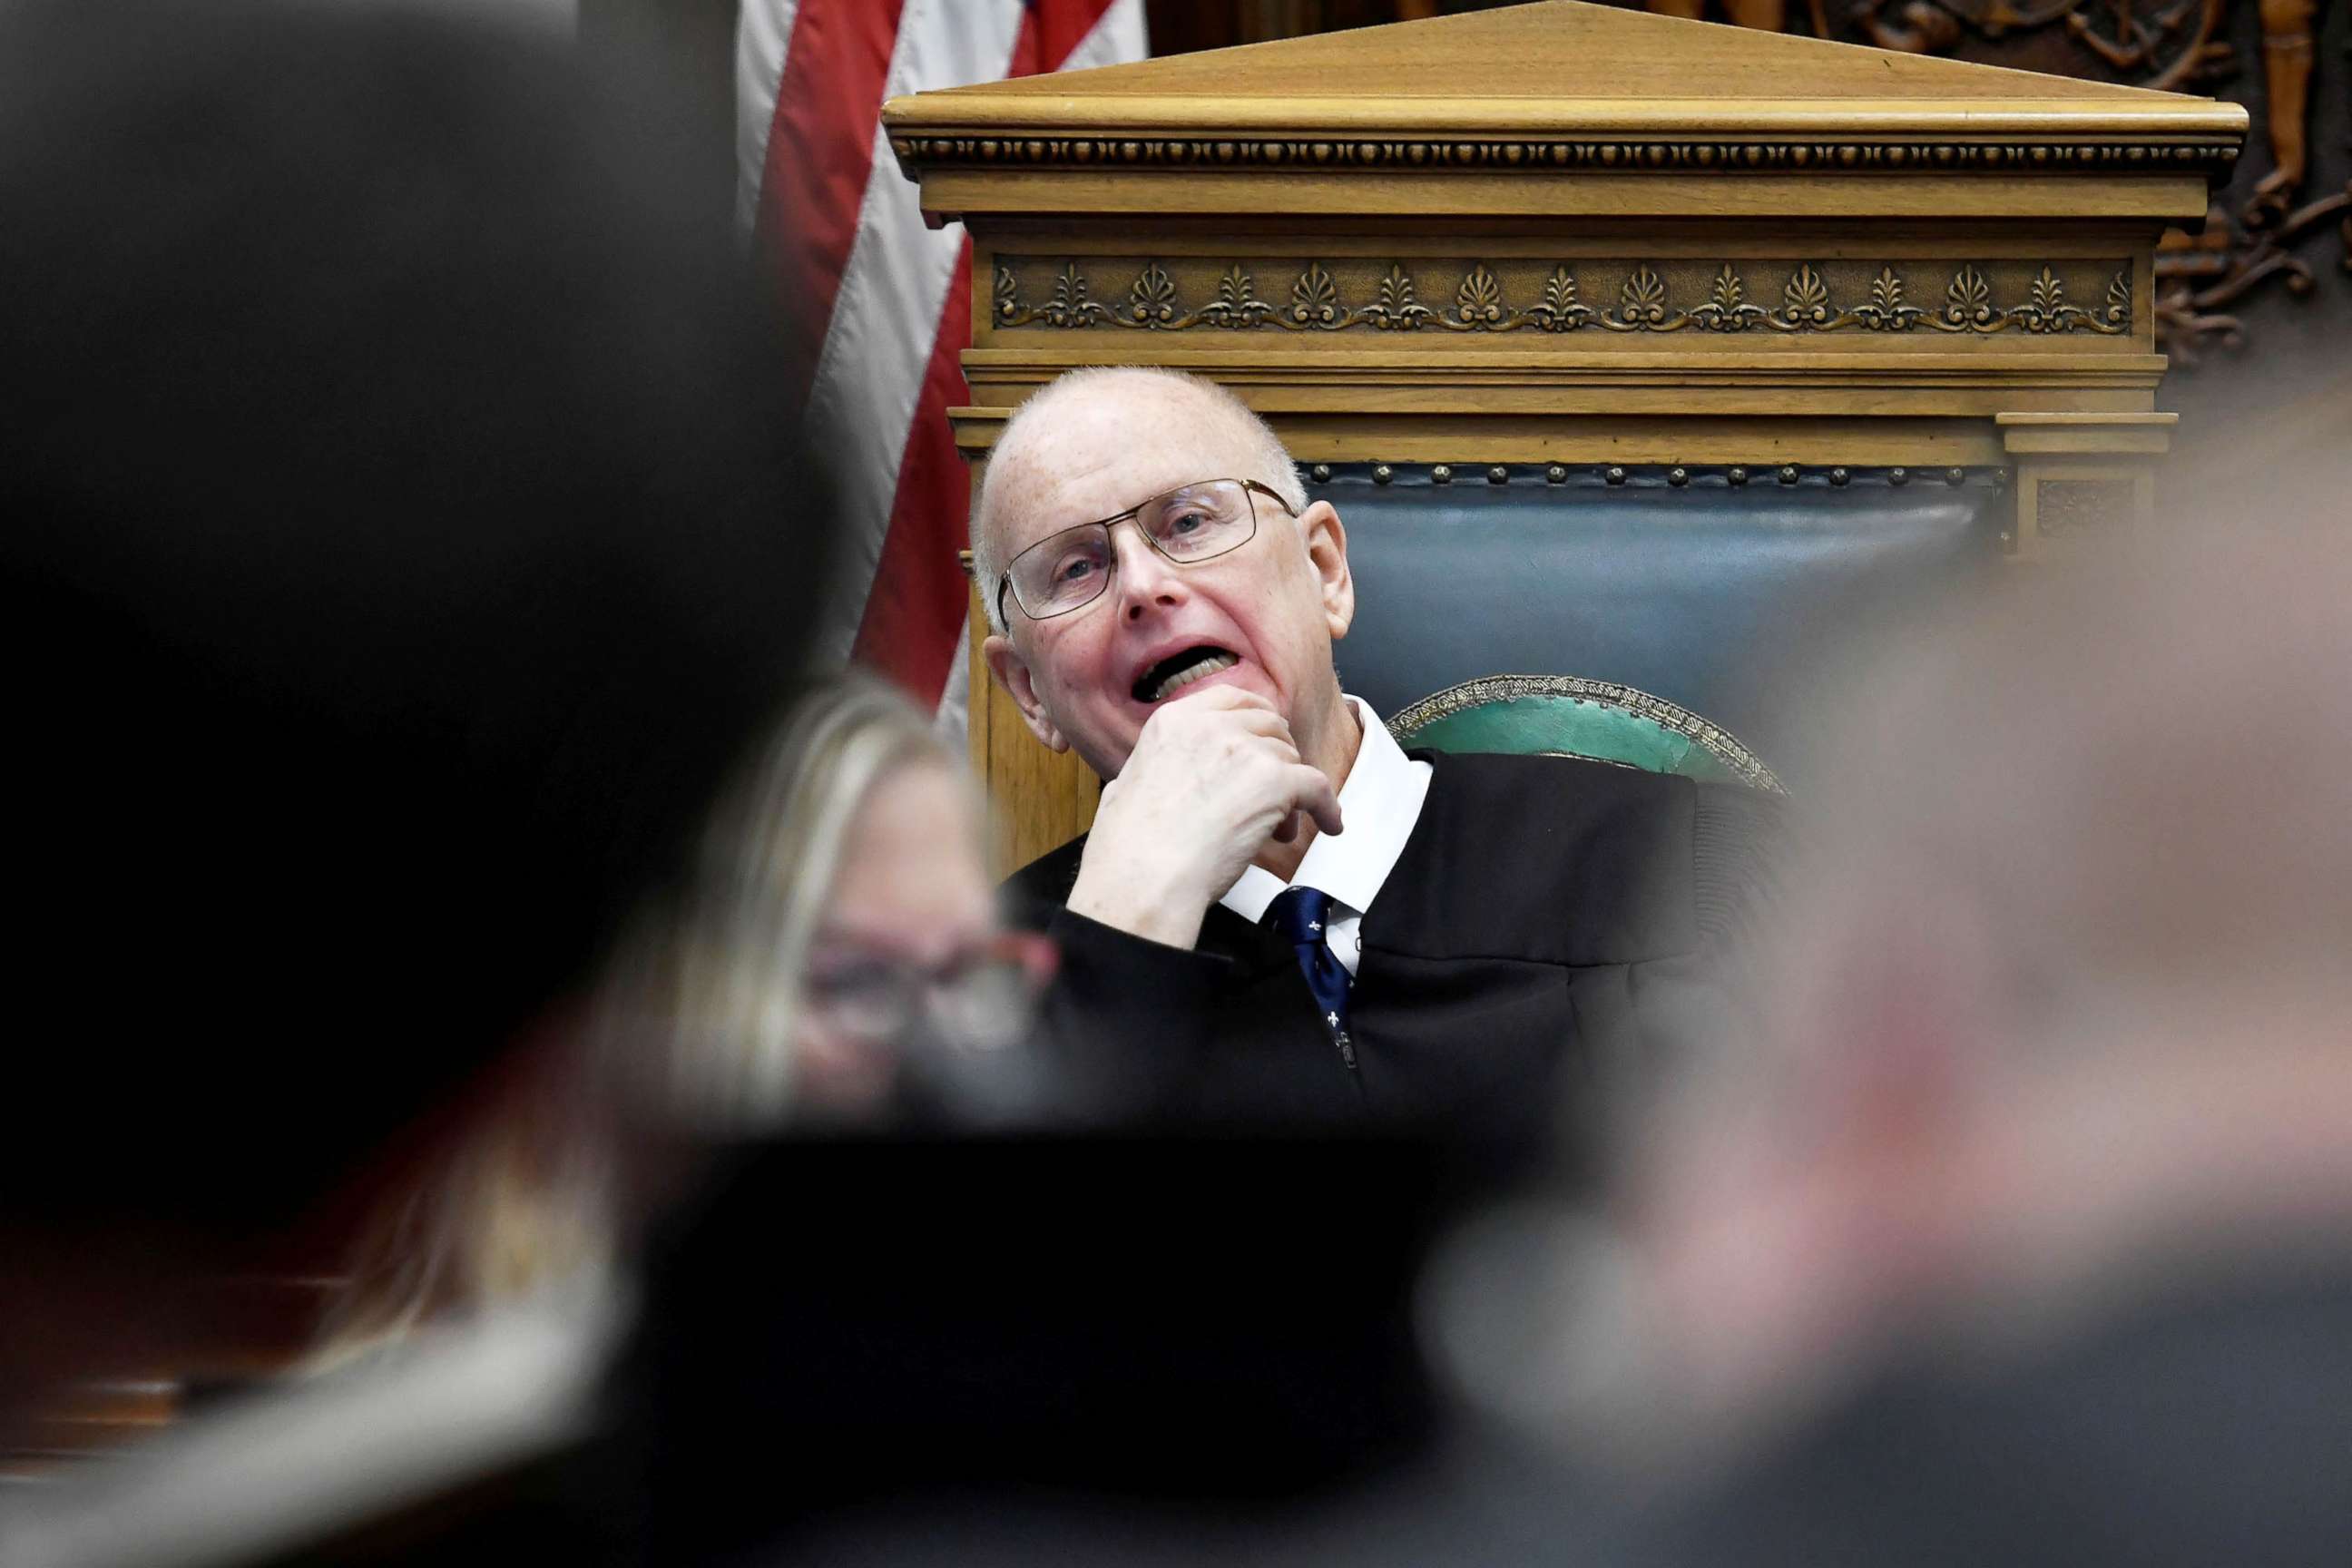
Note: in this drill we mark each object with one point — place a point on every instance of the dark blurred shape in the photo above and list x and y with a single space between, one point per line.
2196 1425
401 545
696 39
871 1349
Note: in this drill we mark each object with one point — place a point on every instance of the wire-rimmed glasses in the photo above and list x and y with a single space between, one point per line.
1191 524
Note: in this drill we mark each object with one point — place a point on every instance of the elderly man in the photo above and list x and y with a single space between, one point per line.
1278 912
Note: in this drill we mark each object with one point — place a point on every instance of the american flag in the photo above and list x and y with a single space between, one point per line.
884 301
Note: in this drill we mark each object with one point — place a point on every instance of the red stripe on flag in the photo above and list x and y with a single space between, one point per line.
820 156
916 611
1050 29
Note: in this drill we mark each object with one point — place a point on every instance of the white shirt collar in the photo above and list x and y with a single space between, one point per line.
1379 805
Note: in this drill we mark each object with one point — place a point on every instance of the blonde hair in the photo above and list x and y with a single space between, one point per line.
524 1202
768 867
1266 453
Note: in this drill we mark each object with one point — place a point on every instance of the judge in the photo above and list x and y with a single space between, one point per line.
1279 913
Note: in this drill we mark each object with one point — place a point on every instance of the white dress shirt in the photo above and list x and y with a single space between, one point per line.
1379 805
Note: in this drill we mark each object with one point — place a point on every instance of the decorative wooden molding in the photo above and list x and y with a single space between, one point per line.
1646 475
2032 435
2209 156
2076 506
1154 303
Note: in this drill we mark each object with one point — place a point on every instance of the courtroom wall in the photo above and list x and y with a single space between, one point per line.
2290 299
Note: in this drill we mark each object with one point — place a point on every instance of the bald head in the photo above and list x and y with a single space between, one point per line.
1111 420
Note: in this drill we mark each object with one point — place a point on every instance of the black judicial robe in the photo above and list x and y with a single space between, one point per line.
1553 928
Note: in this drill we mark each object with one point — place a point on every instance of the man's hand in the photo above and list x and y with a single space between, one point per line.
1211 778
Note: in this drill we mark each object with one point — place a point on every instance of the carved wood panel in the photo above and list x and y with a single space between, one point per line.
1789 295
2285 218
2275 260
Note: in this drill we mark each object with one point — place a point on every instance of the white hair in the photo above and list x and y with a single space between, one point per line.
1276 468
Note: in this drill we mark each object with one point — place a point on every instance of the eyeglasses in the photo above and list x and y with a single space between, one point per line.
1191 524
983 999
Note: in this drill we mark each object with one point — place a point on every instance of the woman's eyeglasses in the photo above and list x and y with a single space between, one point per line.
982 999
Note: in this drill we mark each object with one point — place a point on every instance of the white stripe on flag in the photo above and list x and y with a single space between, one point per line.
763 31
887 316
1116 38
953 719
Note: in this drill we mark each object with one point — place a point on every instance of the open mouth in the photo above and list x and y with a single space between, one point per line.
1178 670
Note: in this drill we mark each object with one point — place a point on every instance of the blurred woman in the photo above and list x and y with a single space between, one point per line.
838 963
853 870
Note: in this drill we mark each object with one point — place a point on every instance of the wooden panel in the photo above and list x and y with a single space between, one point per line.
967 194
1536 443
2088 433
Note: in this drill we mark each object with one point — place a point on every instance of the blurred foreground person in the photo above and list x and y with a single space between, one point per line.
402 557
2028 1239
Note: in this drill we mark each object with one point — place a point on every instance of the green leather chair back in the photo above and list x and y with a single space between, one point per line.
1567 716
1709 587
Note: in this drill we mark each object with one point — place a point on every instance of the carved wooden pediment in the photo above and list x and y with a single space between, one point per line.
1543 89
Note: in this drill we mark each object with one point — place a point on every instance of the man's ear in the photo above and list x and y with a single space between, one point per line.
1010 672
1327 551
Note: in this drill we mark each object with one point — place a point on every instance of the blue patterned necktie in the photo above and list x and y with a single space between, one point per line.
1301 914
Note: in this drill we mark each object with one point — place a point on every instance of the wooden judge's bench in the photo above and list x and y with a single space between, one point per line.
1620 342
